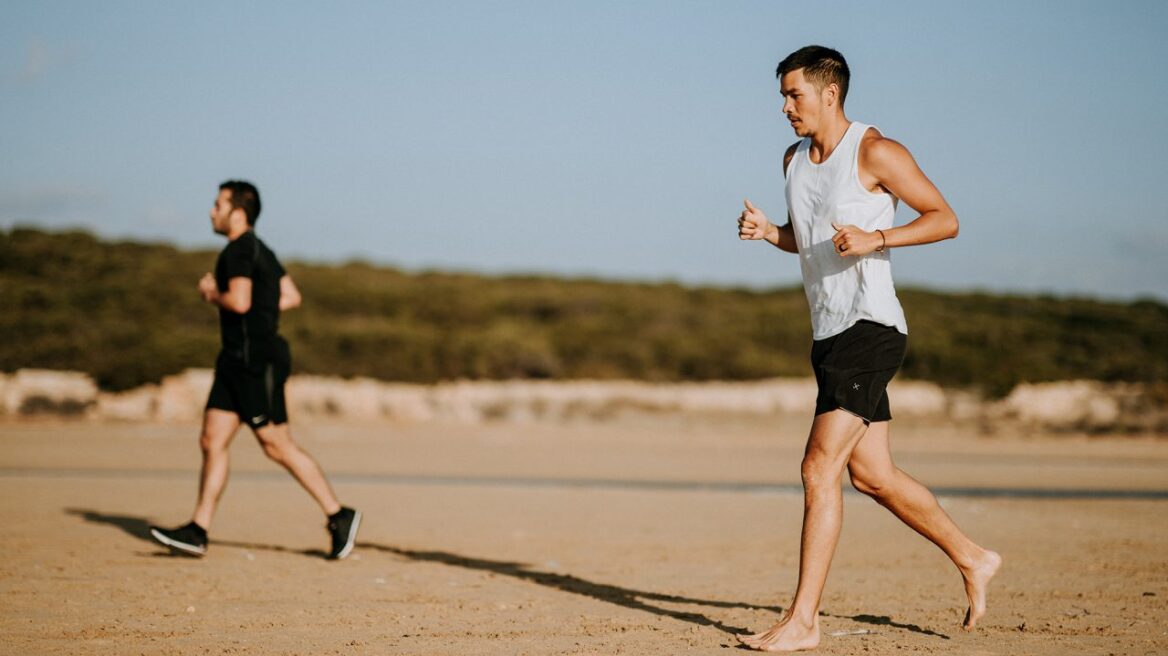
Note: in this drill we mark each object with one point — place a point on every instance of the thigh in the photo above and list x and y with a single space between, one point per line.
222 396
834 435
219 427
272 434
264 402
259 394
853 370
872 457
276 378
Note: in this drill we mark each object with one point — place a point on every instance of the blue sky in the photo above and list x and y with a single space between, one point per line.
612 139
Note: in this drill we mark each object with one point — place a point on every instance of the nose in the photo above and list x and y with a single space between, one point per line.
788 106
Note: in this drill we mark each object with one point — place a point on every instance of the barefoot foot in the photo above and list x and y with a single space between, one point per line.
977 582
785 635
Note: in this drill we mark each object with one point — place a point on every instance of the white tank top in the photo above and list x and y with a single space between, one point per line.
840 290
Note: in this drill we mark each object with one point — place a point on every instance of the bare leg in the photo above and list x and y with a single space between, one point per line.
873 473
833 436
219 428
276 439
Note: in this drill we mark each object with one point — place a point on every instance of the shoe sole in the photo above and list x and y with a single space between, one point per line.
189 549
352 536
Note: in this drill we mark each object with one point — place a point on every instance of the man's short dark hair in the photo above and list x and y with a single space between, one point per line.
244 196
821 66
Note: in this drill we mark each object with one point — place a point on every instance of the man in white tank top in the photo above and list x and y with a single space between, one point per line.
843 181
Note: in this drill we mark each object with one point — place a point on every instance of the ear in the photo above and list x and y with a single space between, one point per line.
831 94
238 215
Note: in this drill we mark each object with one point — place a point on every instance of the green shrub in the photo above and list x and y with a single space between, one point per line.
129 314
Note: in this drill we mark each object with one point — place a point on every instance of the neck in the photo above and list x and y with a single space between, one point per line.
827 137
237 230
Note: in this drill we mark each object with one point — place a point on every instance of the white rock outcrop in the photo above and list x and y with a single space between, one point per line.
1073 405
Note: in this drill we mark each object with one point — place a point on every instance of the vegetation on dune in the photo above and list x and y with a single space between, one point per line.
128 314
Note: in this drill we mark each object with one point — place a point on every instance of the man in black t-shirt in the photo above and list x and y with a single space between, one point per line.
250 288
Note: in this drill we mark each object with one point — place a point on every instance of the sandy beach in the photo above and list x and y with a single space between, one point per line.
640 535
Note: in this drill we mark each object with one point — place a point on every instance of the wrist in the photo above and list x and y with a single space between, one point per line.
883 241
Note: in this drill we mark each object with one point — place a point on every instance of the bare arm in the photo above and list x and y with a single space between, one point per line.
237 298
886 165
753 224
289 294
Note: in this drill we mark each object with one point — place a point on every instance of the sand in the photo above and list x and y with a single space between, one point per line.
641 535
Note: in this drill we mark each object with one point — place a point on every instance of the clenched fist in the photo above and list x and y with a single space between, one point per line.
208 288
753 223
850 241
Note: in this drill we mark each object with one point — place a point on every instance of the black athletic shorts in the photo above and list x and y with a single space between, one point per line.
254 391
853 369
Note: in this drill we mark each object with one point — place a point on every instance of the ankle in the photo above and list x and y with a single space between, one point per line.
804 619
970 559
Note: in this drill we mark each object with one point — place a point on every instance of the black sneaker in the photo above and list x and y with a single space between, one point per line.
190 539
342 526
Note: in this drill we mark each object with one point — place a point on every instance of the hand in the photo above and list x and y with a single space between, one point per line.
753 223
850 241
208 288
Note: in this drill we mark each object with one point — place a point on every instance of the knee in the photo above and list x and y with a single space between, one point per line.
816 471
211 444
873 484
277 447
275 450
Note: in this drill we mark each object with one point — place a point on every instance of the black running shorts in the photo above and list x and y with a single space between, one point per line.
255 393
853 369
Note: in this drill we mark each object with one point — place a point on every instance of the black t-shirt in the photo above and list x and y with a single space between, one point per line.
251 337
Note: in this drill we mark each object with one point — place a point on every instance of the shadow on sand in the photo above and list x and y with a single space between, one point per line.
624 597
884 620
139 528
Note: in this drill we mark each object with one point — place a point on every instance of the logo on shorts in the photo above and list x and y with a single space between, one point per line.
258 419
855 386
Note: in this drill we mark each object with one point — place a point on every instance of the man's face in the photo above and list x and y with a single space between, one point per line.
221 212
803 104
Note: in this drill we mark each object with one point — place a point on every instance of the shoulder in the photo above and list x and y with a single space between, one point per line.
879 154
790 155
256 242
239 244
242 248
251 244
269 254
246 240
265 248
